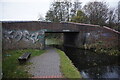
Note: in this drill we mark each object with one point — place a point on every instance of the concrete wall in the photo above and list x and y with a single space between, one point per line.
22 35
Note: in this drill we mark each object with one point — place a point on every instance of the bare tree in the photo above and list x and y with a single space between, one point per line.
76 6
59 11
112 20
96 12
40 18
119 11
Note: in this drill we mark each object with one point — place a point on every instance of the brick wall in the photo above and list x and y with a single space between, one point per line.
30 34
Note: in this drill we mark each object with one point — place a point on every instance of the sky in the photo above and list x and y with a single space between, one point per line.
30 10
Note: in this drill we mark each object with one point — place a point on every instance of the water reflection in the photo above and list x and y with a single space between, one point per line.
93 65
101 72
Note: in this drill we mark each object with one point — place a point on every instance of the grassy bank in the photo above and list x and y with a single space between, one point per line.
53 41
67 68
11 67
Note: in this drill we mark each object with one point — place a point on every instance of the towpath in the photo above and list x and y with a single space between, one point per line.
46 65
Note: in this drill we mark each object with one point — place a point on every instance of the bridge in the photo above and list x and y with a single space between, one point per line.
31 34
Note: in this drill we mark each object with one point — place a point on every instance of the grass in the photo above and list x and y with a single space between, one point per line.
52 41
11 67
67 68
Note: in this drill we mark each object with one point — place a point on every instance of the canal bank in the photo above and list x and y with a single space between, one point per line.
67 67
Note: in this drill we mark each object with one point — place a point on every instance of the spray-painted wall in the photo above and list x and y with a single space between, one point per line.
102 38
23 39
22 35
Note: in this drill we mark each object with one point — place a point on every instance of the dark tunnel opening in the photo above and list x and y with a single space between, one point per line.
70 39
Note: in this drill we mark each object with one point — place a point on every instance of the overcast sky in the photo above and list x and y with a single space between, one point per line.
31 9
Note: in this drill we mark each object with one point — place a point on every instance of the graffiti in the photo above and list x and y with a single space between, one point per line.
87 34
106 35
23 35
91 35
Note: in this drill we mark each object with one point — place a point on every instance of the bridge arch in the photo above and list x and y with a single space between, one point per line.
69 38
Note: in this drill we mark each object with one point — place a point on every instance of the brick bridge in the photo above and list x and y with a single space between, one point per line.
31 34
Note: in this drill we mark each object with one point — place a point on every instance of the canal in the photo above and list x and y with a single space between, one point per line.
93 65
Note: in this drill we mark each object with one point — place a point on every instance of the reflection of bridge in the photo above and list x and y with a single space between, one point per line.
30 34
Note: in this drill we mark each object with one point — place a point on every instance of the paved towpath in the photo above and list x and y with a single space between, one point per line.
46 65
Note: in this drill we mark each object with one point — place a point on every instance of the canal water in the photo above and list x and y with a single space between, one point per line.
93 65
